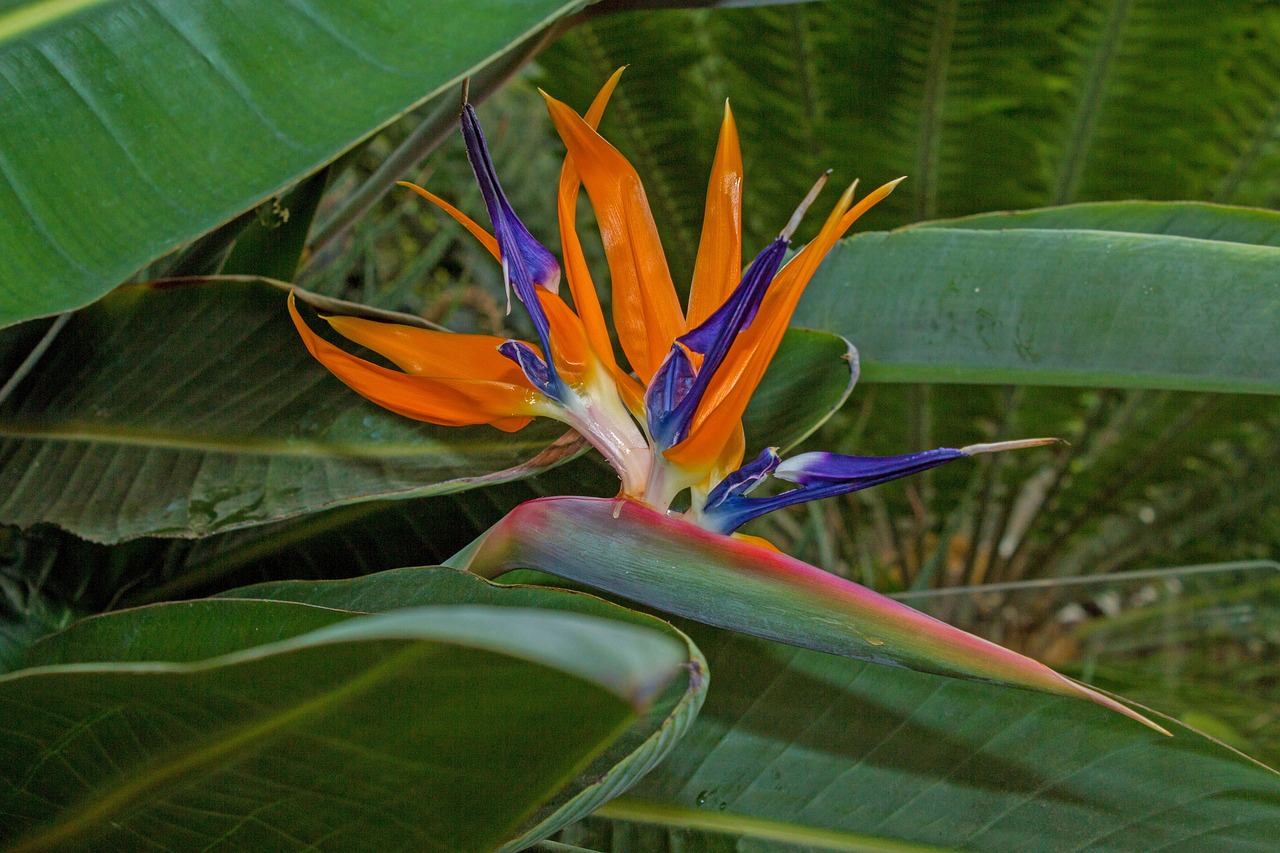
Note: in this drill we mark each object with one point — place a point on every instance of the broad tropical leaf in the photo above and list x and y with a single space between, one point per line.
798 750
809 378
454 724
190 410
130 127
1054 307
634 753
1251 226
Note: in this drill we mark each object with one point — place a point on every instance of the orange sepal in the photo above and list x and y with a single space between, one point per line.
569 349
486 239
719 264
425 352
577 273
726 399
448 401
646 311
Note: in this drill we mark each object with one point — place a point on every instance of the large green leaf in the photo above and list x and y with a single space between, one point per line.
1053 306
797 750
453 724
1219 222
184 411
129 127
629 757
272 245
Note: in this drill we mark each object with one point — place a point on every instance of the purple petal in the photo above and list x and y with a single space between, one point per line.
526 263
824 475
746 478
716 333
669 385
531 364
810 469
669 423
714 336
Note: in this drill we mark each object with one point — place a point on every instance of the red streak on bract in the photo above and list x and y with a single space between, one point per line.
669 563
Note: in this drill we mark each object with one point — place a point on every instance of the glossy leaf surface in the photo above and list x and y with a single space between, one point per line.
1222 223
797 750
1053 307
634 753
112 156
453 723
189 410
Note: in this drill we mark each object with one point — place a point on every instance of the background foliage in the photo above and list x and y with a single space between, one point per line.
145 416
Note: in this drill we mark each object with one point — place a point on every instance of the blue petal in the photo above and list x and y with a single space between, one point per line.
537 371
526 263
668 387
746 478
821 475
812 469
670 419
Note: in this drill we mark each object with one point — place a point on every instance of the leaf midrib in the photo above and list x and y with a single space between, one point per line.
33 16
931 111
1085 120
682 817
122 795
129 436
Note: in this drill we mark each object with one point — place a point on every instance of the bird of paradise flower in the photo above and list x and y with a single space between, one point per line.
674 421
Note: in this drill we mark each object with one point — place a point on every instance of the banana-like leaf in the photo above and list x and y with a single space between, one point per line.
662 561
129 126
189 410
1054 306
452 724
633 754
798 750
1219 222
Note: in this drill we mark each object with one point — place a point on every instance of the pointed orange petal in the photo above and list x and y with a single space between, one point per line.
736 380
631 392
645 309
719 264
445 401
424 352
577 274
570 351
485 238
730 458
